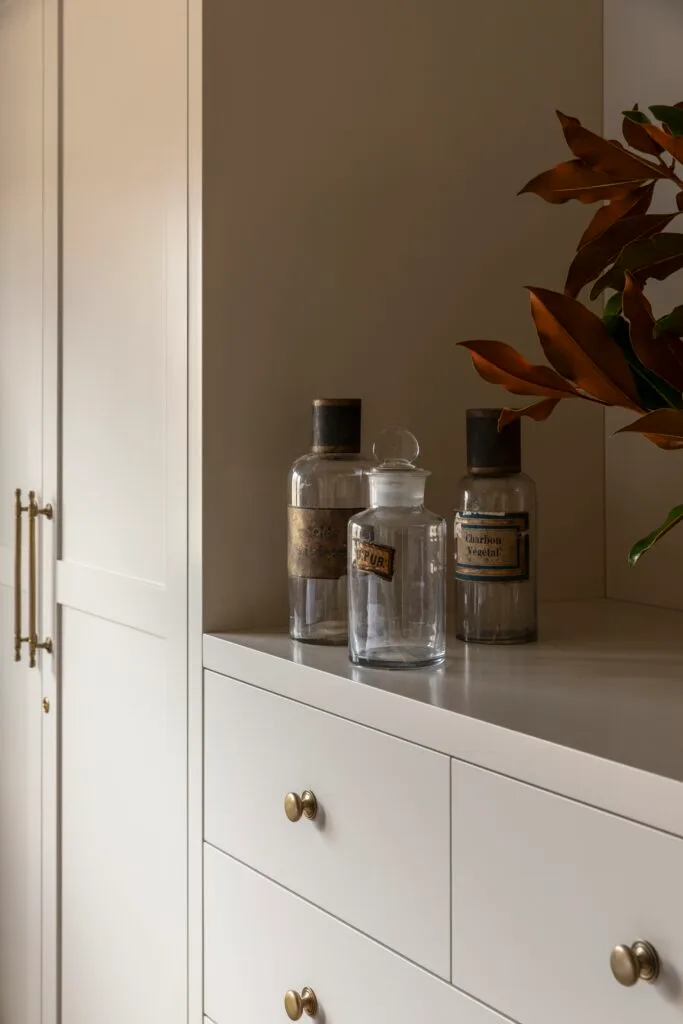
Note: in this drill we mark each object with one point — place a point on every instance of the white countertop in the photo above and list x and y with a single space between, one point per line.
594 710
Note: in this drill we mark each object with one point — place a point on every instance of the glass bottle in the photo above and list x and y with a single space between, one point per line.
326 487
397 558
495 537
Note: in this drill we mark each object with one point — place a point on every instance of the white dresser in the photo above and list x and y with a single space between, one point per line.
469 844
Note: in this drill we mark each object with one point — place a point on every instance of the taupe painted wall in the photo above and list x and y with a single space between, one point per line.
643 64
361 161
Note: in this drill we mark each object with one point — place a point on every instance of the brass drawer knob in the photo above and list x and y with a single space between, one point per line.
639 962
296 1005
297 806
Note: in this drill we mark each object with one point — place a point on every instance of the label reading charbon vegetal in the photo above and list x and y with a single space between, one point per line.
492 546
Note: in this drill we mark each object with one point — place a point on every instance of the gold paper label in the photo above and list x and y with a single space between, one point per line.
317 542
492 547
374 558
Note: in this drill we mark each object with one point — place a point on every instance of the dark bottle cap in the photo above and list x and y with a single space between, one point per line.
336 425
490 450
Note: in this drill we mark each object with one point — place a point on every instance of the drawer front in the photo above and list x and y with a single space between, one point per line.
544 888
261 941
378 853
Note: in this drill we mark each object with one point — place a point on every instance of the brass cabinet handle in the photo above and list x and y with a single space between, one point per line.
297 806
19 510
34 644
639 962
296 1005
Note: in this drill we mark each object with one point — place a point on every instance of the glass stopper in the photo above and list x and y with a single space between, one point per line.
396 447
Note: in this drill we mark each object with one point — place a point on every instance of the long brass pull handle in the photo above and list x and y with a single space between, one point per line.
34 644
19 510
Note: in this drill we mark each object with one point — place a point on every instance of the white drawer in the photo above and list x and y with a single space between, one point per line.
261 941
544 888
378 853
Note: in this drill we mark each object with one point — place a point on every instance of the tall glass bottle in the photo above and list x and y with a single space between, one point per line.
326 487
495 537
397 559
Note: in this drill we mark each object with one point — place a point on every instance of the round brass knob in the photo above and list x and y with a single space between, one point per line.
296 1004
297 806
639 962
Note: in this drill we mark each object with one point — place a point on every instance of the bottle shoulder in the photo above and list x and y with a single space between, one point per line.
515 490
398 516
312 464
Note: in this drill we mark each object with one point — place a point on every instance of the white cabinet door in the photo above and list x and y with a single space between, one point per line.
378 852
121 573
261 941
21 312
544 888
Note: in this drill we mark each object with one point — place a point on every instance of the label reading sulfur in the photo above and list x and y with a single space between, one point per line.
317 542
490 546
374 558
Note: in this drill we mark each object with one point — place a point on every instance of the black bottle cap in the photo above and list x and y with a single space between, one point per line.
490 450
336 425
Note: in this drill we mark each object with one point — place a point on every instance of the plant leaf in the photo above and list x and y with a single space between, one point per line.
674 517
672 323
592 259
604 155
632 130
576 180
657 257
653 392
635 204
654 354
578 346
673 144
664 427
672 117
537 411
501 364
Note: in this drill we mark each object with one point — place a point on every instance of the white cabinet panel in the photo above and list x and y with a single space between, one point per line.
124 276
261 941
21 338
544 888
123 845
377 854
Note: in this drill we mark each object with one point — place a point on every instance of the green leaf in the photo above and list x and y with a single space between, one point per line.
672 117
674 517
653 392
656 257
637 116
671 324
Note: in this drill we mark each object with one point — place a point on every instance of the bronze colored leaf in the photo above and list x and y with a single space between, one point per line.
635 135
592 259
579 347
656 257
501 364
537 411
604 155
654 354
673 144
576 180
664 427
635 204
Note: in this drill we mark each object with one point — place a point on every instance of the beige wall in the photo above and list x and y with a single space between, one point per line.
360 168
643 64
